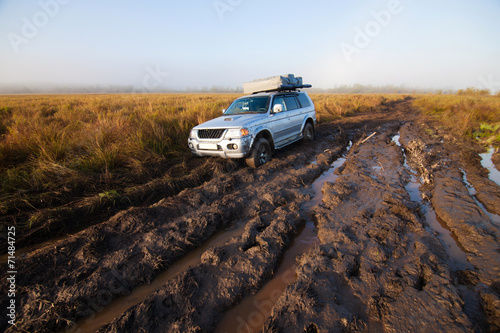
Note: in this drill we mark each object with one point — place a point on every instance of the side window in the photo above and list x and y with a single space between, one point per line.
304 101
291 103
280 100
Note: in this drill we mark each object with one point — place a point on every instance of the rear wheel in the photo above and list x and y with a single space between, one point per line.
261 154
308 132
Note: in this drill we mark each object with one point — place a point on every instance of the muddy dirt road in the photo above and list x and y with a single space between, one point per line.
402 236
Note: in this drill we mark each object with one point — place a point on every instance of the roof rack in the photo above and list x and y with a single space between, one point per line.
275 83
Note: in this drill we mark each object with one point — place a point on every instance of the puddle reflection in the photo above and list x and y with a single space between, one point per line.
486 161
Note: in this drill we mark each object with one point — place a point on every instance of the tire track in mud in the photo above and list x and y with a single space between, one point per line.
92 268
198 298
379 267
470 215
251 313
108 260
457 257
451 199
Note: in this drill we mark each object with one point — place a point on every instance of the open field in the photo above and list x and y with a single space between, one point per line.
341 234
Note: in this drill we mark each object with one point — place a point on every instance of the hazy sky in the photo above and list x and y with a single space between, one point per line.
448 44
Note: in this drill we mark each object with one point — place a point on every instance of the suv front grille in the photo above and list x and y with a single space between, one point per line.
211 133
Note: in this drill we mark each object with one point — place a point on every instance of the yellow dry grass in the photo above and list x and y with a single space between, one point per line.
474 115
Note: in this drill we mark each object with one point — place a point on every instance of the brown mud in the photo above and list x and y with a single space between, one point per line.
378 261
495 158
380 265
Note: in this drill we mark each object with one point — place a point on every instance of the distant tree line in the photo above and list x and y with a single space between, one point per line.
475 92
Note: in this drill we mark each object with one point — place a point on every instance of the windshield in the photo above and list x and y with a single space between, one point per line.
257 104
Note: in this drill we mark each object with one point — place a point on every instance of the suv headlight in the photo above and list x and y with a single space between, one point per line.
234 133
193 134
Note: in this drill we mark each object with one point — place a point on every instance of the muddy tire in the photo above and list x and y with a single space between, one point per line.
308 133
261 154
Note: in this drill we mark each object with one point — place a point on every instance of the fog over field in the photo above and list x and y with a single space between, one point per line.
129 46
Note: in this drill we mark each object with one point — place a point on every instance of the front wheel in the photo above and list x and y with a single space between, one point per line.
261 154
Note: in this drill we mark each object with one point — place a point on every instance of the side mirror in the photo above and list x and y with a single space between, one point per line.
278 108
223 111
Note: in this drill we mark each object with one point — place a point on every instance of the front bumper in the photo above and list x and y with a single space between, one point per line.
225 148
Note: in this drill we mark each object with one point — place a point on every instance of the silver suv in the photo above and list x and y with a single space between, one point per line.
255 125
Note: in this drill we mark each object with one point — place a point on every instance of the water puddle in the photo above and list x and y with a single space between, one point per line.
139 294
327 176
252 312
486 161
456 253
473 192
458 259
396 138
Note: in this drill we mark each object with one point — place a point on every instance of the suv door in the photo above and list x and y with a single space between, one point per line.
294 115
280 122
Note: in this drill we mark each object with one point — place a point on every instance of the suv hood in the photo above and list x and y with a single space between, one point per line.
231 121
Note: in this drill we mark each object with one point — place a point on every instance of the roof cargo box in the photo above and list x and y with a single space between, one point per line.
274 83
